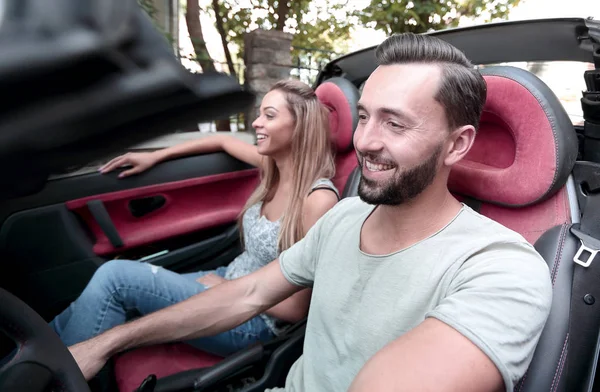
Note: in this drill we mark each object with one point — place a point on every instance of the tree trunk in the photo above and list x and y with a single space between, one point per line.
192 18
283 8
221 30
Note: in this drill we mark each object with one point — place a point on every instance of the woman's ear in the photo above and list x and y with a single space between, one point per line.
461 142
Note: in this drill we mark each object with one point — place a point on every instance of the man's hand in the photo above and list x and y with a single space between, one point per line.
208 313
90 356
210 280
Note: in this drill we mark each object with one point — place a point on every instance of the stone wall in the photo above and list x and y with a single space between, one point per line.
268 58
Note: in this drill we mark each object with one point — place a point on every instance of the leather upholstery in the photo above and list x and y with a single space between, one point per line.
547 368
525 147
340 96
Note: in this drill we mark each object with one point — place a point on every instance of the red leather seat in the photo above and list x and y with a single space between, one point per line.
522 156
131 368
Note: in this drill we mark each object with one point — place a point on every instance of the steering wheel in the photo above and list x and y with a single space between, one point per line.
42 361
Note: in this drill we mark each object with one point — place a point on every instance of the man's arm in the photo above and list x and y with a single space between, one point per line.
216 310
295 308
431 357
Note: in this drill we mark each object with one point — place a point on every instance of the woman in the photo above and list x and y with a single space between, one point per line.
295 157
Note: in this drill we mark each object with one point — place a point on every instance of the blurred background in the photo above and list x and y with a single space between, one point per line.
260 41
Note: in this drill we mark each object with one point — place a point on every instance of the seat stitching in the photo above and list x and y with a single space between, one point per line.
522 381
558 255
559 368
555 268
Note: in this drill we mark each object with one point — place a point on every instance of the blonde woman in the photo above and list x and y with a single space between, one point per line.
295 157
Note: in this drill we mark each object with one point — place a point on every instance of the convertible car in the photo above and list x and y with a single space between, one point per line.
82 86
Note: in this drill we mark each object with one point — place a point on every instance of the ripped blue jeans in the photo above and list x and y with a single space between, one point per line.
120 288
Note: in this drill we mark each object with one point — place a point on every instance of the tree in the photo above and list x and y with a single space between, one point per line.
420 16
220 25
192 19
321 26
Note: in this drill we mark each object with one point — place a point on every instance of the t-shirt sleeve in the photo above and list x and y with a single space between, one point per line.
299 262
500 299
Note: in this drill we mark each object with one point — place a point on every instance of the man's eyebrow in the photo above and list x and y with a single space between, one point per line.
394 112
397 112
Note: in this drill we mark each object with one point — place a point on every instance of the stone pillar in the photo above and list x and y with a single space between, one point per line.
268 58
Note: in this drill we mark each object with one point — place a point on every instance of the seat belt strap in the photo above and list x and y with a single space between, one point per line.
584 318
473 203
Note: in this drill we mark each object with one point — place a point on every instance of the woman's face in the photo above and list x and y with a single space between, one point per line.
274 126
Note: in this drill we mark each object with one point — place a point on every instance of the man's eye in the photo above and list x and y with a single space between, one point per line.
362 117
395 125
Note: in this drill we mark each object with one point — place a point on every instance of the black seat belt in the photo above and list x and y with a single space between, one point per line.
584 318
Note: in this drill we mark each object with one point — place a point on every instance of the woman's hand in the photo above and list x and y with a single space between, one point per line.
139 162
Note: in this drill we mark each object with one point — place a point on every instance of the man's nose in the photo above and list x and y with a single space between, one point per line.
368 138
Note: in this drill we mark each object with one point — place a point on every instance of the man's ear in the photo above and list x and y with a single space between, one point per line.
461 141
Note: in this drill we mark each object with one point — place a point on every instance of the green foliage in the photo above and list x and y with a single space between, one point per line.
148 6
325 27
419 16
329 32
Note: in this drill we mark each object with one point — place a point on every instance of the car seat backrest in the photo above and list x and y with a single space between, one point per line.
340 96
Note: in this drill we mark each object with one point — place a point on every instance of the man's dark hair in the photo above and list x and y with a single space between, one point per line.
462 90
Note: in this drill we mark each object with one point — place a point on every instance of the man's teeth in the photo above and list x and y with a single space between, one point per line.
377 166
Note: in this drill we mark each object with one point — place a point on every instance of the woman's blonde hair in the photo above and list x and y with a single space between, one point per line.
312 159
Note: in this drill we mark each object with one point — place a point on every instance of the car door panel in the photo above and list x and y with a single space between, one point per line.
190 205
65 188
186 209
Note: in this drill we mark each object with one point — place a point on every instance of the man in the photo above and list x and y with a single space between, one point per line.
412 291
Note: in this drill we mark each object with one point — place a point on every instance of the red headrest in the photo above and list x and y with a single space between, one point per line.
340 96
526 145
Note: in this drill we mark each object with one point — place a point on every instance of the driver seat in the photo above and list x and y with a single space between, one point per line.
518 173
131 368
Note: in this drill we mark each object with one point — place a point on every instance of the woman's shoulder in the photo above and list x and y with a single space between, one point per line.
324 183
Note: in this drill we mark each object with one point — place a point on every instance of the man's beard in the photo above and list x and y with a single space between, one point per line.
403 186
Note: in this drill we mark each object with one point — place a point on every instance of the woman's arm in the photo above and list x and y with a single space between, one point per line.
142 161
295 308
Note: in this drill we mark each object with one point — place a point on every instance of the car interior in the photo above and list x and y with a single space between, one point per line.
530 169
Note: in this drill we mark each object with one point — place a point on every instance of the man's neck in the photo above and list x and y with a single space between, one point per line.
392 228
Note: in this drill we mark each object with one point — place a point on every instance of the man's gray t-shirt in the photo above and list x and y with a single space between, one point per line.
475 275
